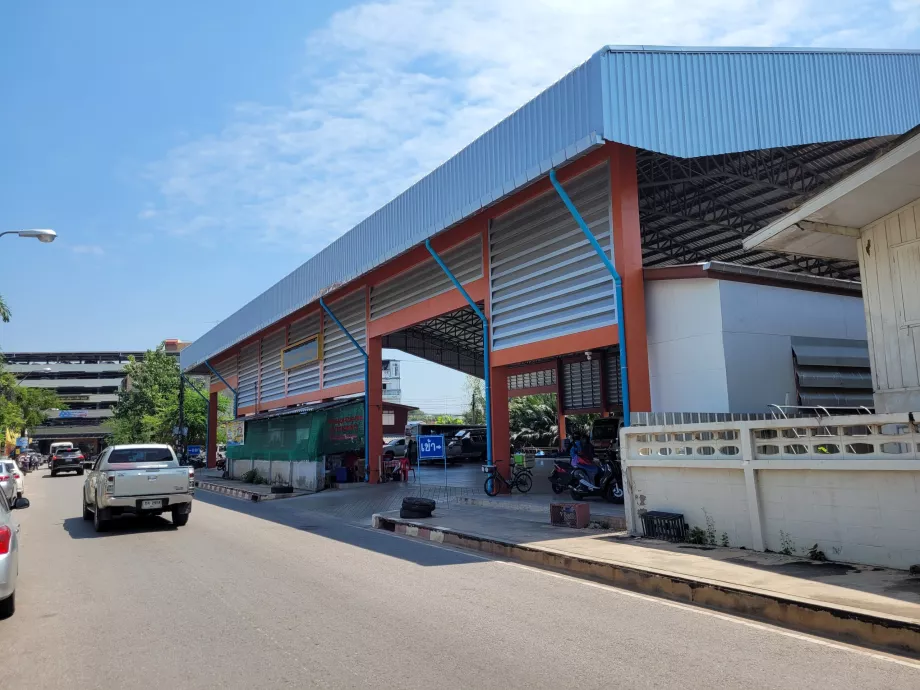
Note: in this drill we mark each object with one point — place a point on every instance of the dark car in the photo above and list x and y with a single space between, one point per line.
469 444
67 460
605 435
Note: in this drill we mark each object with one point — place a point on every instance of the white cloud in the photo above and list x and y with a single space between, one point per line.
389 90
93 249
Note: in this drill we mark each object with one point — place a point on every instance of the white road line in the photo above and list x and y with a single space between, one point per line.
881 656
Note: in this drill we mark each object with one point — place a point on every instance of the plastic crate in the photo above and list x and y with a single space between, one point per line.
525 459
576 515
657 524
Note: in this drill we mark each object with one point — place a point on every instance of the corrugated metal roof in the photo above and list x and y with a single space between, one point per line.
691 102
682 102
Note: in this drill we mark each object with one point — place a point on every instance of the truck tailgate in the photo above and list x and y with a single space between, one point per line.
150 480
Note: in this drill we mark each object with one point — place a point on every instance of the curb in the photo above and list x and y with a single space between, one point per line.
900 635
243 494
613 522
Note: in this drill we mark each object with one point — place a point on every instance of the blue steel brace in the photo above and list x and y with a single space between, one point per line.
229 387
367 450
207 422
486 345
617 289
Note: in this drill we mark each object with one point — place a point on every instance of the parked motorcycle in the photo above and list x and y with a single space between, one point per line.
608 482
561 476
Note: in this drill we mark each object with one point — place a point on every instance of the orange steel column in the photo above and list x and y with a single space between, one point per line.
212 431
501 432
627 244
560 404
374 401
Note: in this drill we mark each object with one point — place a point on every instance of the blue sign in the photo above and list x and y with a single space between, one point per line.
430 447
22 442
194 451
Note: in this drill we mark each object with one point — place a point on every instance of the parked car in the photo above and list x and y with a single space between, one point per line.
8 485
468 444
395 448
67 460
142 479
605 434
19 477
9 552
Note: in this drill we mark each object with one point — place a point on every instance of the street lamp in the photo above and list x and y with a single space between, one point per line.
42 235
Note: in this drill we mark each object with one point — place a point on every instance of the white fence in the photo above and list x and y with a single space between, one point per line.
848 485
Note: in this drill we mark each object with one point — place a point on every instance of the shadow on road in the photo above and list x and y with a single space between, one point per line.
78 528
286 513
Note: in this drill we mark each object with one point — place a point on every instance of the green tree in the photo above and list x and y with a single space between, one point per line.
34 404
533 421
5 313
148 408
475 390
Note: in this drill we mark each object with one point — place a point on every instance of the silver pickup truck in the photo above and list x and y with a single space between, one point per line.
144 479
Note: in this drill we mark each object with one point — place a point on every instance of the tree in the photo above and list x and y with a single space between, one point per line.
533 421
475 389
148 408
34 404
5 313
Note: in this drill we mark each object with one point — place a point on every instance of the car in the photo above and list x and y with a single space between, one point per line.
396 448
468 444
8 486
139 479
67 460
20 477
9 553
605 435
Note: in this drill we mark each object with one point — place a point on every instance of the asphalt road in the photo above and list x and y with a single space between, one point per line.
239 599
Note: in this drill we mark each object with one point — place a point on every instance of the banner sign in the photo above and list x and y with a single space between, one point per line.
236 433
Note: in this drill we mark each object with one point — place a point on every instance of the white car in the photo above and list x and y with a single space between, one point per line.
13 479
141 479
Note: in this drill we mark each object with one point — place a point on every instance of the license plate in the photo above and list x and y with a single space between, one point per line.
146 505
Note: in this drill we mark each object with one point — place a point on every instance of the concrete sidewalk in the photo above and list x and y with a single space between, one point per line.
870 606
212 480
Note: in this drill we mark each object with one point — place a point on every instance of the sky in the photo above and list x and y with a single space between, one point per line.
192 154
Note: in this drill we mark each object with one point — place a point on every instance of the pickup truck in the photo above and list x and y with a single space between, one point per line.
143 479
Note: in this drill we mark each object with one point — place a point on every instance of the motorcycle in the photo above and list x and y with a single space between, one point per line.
561 476
608 482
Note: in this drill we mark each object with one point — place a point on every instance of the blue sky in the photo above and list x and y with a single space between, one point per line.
191 154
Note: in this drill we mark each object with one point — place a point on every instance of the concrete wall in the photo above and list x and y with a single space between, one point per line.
758 322
718 498
685 353
857 517
889 265
769 485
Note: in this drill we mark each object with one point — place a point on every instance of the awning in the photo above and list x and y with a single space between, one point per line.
827 225
831 352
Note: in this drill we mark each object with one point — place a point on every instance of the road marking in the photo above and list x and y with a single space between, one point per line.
881 656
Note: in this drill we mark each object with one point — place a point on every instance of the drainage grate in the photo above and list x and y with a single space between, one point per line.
668 526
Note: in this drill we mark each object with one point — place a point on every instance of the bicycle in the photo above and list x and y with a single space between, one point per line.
521 479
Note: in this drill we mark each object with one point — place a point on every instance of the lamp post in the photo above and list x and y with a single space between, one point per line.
42 235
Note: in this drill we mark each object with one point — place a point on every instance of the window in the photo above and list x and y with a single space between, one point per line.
139 455
389 418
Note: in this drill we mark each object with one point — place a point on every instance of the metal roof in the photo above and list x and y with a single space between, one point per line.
682 103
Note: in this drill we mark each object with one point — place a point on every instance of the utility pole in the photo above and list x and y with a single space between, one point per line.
183 452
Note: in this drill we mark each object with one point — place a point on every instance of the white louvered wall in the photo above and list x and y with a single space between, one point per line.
427 280
249 375
271 383
546 279
342 363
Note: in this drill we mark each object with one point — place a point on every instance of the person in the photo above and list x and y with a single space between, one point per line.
582 457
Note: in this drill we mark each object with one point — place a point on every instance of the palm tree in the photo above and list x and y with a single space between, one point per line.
5 313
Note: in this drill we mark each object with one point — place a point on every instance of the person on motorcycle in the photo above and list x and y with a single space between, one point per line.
583 457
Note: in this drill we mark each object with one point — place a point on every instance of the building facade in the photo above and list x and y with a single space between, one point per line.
522 259
87 382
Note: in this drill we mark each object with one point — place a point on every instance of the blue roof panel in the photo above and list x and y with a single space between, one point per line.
684 102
